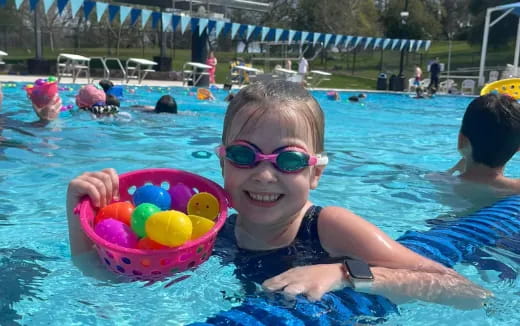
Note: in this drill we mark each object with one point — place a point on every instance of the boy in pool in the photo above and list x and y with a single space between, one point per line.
489 137
281 123
165 104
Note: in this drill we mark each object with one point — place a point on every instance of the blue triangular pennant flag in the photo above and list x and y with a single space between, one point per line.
234 29
290 37
394 43
87 7
327 39
156 17
427 45
218 27
124 11
145 15
265 31
412 42
419 43
100 10
2 3
203 23
33 4
403 43
166 20
377 42
134 15
250 29
175 21
358 40
211 25
386 41
18 3
112 12
367 41
74 6
304 37
337 40
347 40
61 5
277 33
185 20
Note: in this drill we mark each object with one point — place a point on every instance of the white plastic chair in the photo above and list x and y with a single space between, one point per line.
72 65
411 84
493 76
2 54
467 84
446 85
425 82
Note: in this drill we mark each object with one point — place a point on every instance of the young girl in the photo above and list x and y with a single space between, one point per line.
272 155
212 61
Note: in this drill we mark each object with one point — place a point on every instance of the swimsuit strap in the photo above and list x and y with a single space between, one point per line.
309 227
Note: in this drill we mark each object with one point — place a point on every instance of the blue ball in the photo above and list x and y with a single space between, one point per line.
152 195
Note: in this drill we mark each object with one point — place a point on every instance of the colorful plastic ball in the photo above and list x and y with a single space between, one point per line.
204 204
116 232
180 195
29 86
148 244
153 195
52 79
169 228
140 215
121 211
40 82
201 226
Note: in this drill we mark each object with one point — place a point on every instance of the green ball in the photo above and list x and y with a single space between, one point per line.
140 215
52 79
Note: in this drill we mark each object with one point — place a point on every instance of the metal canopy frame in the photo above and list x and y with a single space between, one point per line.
513 8
258 5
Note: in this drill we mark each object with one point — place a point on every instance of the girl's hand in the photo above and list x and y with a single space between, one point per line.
312 281
50 111
102 187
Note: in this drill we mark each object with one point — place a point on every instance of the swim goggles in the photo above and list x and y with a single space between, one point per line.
288 159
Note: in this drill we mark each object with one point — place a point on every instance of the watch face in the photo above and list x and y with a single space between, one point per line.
358 269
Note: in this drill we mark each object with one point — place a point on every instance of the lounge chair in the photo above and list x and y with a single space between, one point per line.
137 68
192 72
72 65
2 54
493 76
467 84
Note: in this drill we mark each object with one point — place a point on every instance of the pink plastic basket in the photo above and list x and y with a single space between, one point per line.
155 264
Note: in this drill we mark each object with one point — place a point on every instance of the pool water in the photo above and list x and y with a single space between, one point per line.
382 152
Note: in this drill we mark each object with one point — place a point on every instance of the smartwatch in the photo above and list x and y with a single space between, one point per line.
359 274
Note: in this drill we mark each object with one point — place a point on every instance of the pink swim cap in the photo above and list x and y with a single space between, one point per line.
89 95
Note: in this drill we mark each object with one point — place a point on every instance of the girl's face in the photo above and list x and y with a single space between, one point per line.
263 194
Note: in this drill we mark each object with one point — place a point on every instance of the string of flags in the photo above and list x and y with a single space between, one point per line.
170 22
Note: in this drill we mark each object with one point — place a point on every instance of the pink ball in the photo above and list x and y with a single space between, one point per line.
117 233
180 195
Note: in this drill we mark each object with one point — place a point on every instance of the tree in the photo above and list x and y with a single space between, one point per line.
422 22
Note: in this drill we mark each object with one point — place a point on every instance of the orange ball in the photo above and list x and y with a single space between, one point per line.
121 211
148 244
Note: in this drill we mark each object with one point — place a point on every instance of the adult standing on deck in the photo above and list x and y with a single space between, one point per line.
303 66
435 69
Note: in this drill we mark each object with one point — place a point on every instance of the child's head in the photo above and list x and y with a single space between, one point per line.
112 100
490 130
106 84
89 95
166 104
282 120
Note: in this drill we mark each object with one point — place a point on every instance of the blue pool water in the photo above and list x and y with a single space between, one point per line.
382 154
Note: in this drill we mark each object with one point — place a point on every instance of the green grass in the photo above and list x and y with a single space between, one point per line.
364 75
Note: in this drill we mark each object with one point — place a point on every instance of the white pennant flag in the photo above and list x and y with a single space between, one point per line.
419 43
358 40
123 13
250 29
377 42
347 41
412 42
427 45
74 6
47 4
291 35
218 27
338 38
386 42
265 31
327 39
234 29
166 20
277 33
403 43
203 23
394 43
18 3
315 38
185 20
367 42
100 10
145 15
304 37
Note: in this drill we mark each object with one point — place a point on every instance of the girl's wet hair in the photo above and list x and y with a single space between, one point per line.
294 104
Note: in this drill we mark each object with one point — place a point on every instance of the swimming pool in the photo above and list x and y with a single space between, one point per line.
381 151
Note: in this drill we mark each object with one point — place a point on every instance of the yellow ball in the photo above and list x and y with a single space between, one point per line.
201 226
169 228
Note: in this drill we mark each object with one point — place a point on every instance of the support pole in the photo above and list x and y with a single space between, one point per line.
37 35
517 49
483 52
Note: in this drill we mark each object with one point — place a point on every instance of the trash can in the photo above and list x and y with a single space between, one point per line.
381 82
400 83
392 85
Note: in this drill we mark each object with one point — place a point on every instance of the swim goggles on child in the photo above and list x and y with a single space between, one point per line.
287 159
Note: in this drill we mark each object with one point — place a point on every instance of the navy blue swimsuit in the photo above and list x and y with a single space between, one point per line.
257 266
